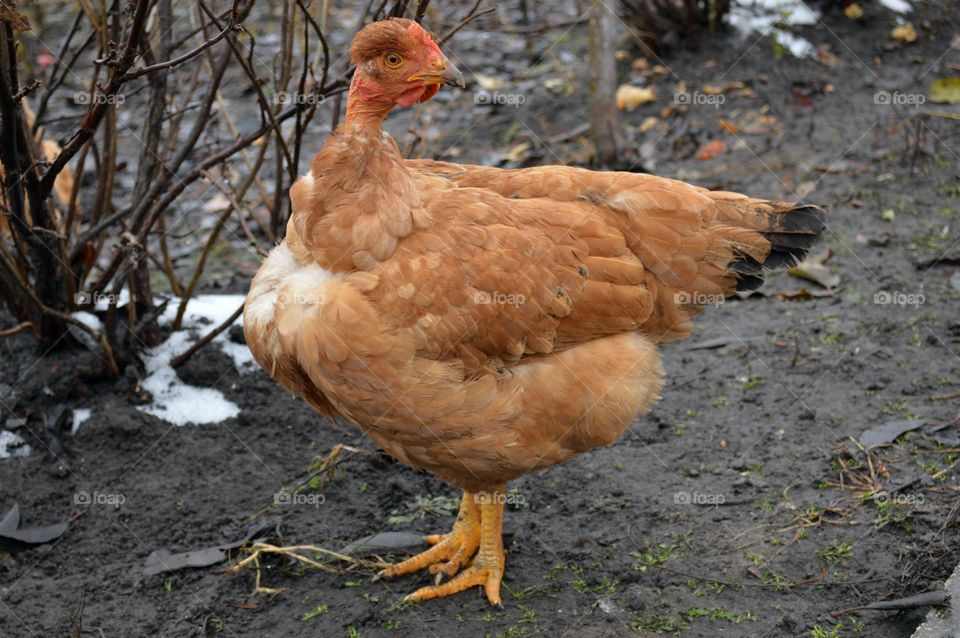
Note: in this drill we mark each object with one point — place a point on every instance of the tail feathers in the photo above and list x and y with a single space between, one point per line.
791 231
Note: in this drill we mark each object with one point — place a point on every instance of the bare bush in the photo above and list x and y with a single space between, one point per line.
153 125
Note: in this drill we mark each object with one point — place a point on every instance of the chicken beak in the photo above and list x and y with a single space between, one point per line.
452 76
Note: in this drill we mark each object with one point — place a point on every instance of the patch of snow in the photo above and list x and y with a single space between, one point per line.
89 318
897 6
80 416
205 312
173 400
797 46
12 445
763 16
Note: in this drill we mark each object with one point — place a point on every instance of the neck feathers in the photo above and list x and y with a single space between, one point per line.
359 202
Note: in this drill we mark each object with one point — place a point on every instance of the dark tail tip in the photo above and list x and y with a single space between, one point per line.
792 233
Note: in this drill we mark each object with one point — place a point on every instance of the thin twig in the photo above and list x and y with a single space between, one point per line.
182 358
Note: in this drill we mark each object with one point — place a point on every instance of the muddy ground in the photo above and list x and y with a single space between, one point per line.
740 507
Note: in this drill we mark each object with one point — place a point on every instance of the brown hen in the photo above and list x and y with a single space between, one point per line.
482 323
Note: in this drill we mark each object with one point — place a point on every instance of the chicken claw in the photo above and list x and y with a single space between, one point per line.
478 530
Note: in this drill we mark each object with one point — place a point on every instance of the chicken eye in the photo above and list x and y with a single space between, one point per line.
393 60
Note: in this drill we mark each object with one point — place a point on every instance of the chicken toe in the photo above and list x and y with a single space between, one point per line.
450 551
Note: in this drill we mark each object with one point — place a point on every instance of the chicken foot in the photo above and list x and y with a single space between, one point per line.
477 534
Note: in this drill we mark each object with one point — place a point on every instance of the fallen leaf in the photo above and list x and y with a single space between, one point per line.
383 541
9 13
630 97
516 153
10 529
161 560
853 11
805 293
711 150
216 203
945 91
647 124
711 89
888 432
826 58
720 342
926 599
813 269
488 82
804 188
943 260
728 126
904 33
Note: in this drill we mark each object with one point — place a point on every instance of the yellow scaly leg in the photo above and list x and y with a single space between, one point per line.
487 567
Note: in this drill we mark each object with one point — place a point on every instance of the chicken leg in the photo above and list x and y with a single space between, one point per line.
477 534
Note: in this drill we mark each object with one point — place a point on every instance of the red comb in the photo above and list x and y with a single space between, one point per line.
425 38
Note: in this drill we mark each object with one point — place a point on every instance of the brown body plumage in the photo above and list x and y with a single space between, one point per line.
481 323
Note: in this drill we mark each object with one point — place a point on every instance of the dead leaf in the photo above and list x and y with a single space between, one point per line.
630 97
853 11
10 529
804 188
216 203
9 13
943 260
712 89
945 90
720 342
488 82
161 560
711 150
826 58
383 541
805 293
888 432
904 33
647 124
926 599
516 153
728 126
640 64
813 269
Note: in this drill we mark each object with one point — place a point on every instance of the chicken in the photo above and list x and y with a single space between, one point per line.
481 323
